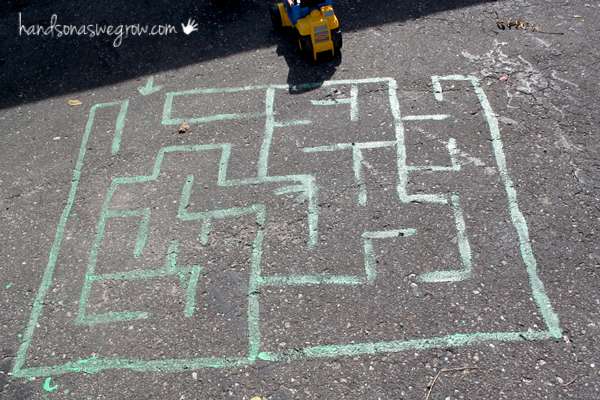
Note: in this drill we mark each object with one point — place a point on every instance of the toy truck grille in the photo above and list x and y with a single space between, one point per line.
321 33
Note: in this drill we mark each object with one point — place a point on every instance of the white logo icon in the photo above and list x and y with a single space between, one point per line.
190 27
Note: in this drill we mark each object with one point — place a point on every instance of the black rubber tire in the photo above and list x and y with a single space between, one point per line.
306 48
336 37
225 3
275 17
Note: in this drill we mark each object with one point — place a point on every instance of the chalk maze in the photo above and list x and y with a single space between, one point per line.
314 219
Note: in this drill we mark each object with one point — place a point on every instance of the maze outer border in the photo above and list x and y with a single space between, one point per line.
95 364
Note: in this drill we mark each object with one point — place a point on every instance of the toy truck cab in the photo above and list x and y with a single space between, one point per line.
315 24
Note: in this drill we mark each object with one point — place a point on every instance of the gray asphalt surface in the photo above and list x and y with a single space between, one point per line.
377 234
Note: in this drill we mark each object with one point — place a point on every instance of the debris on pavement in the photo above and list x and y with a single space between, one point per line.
74 102
184 128
444 371
520 25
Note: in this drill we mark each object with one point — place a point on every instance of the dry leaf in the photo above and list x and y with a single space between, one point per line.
520 25
184 127
74 102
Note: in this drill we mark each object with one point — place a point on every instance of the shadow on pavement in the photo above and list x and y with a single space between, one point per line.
34 68
303 75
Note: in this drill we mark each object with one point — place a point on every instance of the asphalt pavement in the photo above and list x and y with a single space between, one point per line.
196 212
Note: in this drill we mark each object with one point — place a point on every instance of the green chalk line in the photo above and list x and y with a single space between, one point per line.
288 190
394 346
518 220
142 236
464 249
454 164
265 148
168 119
433 117
205 231
394 233
48 387
352 100
102 364
256 280
370 271
331 102
357 161
119 125
46 281
110 317
308 280
170 268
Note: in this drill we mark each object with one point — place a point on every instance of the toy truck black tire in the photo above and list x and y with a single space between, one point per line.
305 46
336 37
275 17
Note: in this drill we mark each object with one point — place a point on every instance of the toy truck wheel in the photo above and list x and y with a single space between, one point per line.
336 37
306 47
275 17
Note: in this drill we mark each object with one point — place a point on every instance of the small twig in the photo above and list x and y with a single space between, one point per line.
550 33
433 383
444 371
570 382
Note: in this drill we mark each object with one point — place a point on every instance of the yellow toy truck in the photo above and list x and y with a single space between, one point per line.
315 25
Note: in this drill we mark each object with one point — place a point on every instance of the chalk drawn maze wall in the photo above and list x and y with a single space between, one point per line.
269 235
